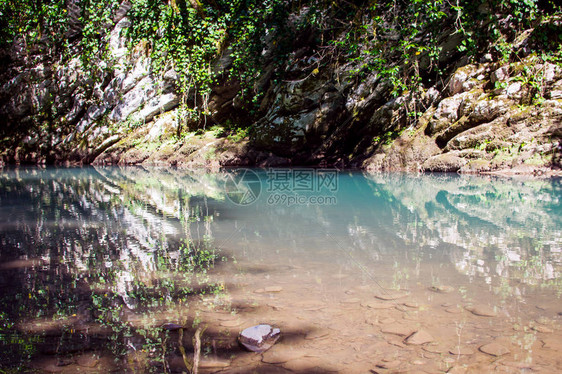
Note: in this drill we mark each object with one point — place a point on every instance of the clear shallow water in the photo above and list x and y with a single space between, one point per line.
349 266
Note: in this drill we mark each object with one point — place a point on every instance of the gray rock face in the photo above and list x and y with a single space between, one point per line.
259 338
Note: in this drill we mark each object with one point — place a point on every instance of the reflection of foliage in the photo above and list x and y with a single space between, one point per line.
100 263
510 225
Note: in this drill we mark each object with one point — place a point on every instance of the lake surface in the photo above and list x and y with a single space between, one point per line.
362 273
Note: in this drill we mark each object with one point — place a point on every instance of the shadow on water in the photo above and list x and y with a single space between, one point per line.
95 261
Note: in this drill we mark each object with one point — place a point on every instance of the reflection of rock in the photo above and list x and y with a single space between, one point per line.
259 338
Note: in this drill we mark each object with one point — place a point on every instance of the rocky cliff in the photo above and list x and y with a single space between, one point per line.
356 89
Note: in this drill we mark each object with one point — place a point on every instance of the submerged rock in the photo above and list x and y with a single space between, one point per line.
543 329
482 310
397 329
494 349
442 288
391 294
461 350
419 337
259 338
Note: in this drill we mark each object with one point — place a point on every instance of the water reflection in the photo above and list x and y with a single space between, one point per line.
95 260
89 250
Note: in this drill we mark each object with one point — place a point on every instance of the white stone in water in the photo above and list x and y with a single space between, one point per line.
259 338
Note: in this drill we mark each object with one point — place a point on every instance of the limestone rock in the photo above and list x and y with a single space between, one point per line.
444 163
500 74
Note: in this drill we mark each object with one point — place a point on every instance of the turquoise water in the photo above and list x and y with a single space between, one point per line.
95 260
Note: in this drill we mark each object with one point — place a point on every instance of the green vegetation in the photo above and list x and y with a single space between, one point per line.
250 46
